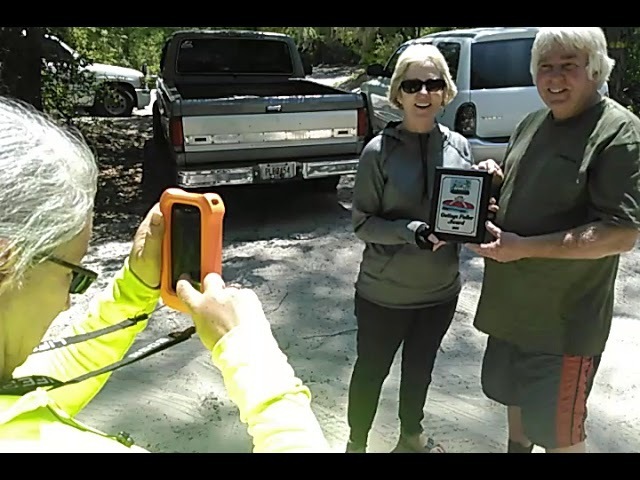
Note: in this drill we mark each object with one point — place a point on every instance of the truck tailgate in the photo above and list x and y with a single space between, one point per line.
273 127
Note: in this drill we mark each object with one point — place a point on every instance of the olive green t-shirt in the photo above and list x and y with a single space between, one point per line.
560 175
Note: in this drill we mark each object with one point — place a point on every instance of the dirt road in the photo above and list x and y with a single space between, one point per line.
301 258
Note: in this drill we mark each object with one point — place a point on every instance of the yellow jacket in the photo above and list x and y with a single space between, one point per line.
273 403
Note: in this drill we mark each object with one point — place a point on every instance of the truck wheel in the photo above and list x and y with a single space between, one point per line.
157 173
325 185
157 127
114 101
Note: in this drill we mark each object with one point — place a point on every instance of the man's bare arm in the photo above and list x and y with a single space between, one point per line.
590 242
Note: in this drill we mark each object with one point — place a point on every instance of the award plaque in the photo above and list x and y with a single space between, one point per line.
460 204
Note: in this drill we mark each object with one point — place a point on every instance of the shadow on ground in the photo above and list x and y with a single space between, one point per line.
252 212
297 250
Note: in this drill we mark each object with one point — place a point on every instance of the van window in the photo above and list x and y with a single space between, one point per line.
501 64
391 64
451 53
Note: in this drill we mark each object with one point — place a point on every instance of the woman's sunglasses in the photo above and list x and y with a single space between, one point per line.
415 85
82 277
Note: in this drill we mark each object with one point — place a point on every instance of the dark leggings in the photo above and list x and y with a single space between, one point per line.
381 331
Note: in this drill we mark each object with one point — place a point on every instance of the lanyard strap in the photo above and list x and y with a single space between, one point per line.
24 385
53 344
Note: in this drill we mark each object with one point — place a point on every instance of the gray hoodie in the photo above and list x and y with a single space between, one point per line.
391 199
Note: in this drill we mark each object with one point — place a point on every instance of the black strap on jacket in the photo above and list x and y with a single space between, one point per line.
24 385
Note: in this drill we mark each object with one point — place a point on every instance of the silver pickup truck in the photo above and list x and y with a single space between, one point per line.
235 107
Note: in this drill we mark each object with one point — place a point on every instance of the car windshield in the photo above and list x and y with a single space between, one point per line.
501 64
54 50
234 56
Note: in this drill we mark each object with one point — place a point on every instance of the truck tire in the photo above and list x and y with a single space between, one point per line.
114 101
325 185
155 122
157 172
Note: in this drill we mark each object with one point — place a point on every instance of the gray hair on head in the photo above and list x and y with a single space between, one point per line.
48 183
590 40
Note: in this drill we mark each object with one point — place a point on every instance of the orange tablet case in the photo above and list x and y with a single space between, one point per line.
212 212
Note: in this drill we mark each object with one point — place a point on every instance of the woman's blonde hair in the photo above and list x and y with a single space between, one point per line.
590 40
421 54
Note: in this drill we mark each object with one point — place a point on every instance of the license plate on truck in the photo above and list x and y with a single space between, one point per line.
277 171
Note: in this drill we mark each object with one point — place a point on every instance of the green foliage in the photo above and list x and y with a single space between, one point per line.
62 85
384 48
305 37
137 46
125 46
633 59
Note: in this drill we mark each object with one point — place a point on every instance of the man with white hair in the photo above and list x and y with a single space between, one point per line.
569 206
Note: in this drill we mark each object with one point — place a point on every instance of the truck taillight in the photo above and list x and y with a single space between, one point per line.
363 122
466 120
176 134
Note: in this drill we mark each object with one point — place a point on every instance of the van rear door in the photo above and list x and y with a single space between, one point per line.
453 52
501 86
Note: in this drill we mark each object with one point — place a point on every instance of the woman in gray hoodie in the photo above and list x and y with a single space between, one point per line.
408 284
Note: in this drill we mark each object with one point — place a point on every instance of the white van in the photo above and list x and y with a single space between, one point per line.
491 69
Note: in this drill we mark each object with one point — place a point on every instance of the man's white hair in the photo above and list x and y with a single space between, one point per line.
421 54
590 40
48 183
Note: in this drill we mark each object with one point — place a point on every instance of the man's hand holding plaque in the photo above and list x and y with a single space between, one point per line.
492 168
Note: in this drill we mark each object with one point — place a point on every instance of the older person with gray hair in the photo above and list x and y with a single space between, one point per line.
48 182
569 207
408 284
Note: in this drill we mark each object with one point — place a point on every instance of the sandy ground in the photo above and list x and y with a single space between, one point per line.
302 259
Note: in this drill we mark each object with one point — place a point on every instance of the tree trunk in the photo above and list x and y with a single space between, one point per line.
21 63
617 40
9 74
